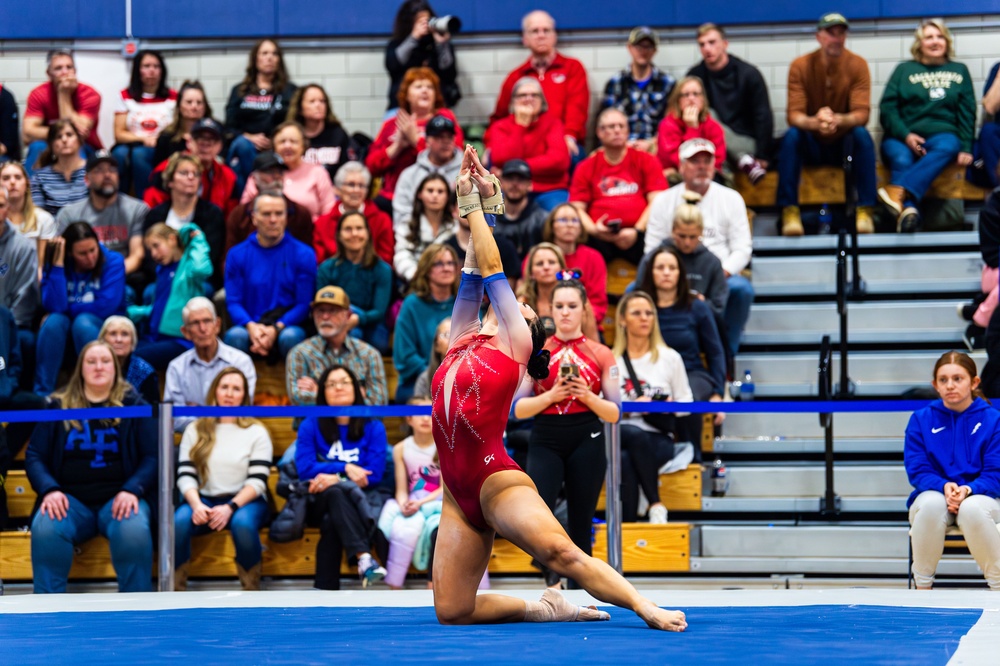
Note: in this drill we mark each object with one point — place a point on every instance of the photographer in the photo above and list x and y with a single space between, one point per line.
566 448
650 371
420 39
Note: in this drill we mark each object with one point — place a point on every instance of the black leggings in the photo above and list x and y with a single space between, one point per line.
689 428
568 451
341 527
643 454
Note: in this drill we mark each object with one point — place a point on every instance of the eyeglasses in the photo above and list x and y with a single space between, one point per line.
566 220
353 186
528 96
343 383
444 335
186 174
444 264
569 275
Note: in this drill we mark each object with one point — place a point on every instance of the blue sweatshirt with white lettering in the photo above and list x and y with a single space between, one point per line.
963 447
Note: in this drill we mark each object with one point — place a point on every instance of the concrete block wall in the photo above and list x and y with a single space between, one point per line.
356 81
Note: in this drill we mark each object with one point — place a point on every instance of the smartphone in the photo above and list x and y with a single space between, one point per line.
614 226
569 370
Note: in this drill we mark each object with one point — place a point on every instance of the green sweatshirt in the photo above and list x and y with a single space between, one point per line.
928 100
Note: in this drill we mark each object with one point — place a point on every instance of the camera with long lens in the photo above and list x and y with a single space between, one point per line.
445 24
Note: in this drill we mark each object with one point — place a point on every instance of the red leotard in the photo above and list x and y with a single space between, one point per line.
473 390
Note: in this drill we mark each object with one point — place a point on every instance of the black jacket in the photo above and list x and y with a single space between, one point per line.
745 107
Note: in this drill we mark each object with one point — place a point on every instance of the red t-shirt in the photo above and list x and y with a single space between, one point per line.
42 103
618 191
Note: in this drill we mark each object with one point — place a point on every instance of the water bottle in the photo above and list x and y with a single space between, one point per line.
746 387
720 483
825 219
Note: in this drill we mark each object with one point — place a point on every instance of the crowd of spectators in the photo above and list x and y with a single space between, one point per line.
194 247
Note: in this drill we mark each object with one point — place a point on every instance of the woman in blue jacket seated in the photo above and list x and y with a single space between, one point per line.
93 478
82 285
343 459
952 458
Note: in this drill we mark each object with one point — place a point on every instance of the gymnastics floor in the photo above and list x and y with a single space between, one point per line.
839 626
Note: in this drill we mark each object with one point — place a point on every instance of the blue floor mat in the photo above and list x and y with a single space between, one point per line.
379 635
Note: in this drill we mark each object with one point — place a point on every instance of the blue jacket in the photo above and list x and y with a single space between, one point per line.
942 446
260 279
10 354
311 451
71 293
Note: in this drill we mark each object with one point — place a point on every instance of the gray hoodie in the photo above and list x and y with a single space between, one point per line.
18 275
704 274
406 187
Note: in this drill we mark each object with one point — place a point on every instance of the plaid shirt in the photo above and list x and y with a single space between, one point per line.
644 107
311 357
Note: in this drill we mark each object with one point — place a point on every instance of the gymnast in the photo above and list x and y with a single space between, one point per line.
485 491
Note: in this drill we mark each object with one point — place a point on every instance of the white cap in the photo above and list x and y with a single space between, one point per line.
692 147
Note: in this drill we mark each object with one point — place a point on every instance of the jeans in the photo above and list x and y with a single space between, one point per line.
238 337
53 543
801 147
737 309
915 174
51 344
136 165
245 526
242 153
989 150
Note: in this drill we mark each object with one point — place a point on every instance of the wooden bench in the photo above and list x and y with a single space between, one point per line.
680 491
825 184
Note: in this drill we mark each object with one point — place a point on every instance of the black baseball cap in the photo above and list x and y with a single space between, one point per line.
516 168
439 125
268 160
207 125
101 157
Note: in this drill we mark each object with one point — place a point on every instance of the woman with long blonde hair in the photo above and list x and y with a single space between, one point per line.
222 474
27 218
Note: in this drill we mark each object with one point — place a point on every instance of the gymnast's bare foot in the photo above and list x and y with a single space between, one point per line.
660 618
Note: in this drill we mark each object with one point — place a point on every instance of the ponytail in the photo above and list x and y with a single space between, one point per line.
538 364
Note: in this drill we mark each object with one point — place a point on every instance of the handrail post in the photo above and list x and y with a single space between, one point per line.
165 577
613 495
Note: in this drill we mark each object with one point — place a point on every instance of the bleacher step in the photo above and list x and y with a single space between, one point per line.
852 566
798 480
890 446
870 425
825 541
937 241
800 505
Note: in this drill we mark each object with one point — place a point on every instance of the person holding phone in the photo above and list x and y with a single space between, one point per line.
566 448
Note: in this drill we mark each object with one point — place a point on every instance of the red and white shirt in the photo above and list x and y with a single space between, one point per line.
146 116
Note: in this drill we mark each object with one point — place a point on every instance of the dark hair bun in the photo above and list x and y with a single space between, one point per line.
538 364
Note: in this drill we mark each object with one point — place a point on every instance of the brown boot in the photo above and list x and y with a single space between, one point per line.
791 221
250 580
181 577
893 197
866 223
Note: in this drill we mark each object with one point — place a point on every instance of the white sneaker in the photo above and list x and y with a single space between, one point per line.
657 515
369 571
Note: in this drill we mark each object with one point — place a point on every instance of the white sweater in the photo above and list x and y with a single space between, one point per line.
666 376
241 457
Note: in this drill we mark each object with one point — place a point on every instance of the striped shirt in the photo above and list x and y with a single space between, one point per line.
51 191
241 457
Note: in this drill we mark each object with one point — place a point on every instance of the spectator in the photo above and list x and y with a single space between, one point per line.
440 156
522 219
533 134
182 267
687 118
414 43
643 356
329 144
402 137
144 109
256 106
563 228
93 477
268 176
59 176
352 183
331 312
442 336
543 269
613 189
119 333
737 99
10 134
269 281
687 325
19 286
83 286
432 221
460 239
305 183
190 375
988 147
222 475
116 217
980 311
726 228
566 449
641 90
928 111
829 99
13 396
955 474
192 105
61 98
365 277
418 495
343 459
432 295
29 221
563 79
181 178
218 182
